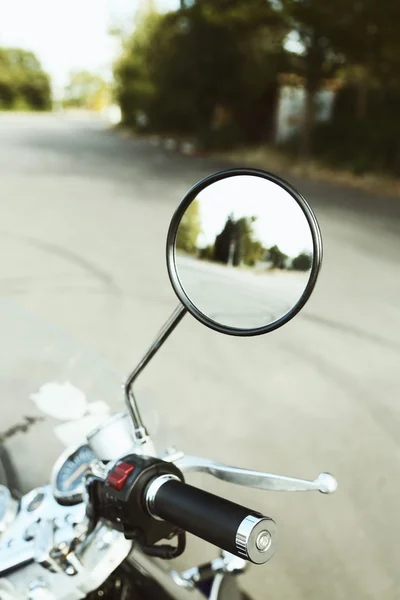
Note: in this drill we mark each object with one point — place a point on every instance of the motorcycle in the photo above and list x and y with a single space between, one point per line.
243 255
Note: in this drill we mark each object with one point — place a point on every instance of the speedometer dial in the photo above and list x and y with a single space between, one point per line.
68 474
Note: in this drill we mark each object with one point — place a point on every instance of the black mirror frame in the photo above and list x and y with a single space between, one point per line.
171 258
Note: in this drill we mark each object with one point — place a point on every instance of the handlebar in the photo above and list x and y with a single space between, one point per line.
237 529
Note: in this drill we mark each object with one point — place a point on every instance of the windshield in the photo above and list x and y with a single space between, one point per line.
45 374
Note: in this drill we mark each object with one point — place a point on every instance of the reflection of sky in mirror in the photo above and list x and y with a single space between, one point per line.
280 219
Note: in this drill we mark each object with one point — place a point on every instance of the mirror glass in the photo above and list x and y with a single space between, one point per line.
243 252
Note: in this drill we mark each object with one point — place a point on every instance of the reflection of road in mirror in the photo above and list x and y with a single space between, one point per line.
236 297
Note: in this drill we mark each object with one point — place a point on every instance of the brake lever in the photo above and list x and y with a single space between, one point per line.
324 483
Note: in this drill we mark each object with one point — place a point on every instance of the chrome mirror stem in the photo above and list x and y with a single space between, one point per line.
131 403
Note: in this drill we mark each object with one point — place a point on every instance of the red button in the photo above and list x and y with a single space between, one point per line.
119 475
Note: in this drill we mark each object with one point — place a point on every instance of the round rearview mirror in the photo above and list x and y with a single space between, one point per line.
243 251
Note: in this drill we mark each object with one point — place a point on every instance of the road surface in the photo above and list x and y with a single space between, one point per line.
240 298
83 219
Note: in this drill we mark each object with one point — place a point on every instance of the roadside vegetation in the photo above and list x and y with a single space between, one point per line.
23 83
86 90
210 72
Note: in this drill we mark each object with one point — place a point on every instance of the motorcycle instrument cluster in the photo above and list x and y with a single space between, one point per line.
68 474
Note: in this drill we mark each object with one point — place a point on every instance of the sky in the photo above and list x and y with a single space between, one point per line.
69 35
280 219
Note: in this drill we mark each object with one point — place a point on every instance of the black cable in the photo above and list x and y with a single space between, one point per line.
166 551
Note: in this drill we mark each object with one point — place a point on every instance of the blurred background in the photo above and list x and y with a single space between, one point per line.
110 111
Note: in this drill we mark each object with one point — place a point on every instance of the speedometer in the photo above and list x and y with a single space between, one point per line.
68 474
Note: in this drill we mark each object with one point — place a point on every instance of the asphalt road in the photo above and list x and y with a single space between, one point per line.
83 219
239 298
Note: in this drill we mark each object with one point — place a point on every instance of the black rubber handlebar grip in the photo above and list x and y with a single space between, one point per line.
231 527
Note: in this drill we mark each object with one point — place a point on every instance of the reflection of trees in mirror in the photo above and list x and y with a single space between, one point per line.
207 253
189 229
224 242
302 262
277 258
235 245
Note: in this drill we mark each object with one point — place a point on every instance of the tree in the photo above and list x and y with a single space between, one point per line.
302 262
85 90
236 242
182 67
134 86
277 257
189 229
207 252
223 242
358 38
371 45
248 250
23 83
319 25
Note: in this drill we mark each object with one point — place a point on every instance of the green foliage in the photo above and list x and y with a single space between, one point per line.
277 258
358 37
23 83
182 67
248 250
210 69
189 229
318 26
223 242
134 85
85 90
302 262
207 253
223 137
237 242
362 144
368 37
